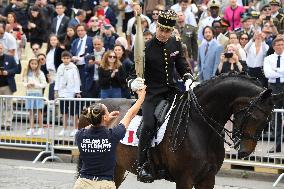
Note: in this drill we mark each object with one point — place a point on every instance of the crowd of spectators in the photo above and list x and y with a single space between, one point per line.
218 37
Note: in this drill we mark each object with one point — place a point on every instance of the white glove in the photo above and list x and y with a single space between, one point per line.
137 84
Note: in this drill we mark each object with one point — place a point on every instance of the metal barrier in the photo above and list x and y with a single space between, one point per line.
23 127
64 127
261 157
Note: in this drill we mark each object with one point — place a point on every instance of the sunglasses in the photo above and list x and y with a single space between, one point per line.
243 38
266 9
111 56
156 13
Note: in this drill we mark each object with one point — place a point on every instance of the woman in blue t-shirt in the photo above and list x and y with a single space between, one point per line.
97 144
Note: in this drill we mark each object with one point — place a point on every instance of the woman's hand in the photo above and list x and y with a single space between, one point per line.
235 58
222 58
141 93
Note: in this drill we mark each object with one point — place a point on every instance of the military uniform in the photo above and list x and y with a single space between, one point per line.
161 61
278 19
188 35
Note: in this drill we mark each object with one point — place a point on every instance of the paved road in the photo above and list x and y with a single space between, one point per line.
16 174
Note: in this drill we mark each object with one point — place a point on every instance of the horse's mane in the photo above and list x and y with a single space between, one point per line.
236 75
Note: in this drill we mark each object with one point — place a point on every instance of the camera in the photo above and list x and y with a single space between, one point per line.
228 55
267 18
91 57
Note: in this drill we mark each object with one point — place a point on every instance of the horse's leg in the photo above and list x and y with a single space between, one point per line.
118 175
184 183
207 183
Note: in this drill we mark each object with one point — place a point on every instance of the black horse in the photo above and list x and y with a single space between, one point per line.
192 151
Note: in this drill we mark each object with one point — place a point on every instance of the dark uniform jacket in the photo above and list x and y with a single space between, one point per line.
161 61
189 38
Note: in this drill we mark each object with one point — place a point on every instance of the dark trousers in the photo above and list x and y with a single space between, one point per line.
95 90
277 120
82 73
127 16
258 73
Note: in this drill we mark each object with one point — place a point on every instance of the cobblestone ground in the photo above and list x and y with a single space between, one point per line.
15 174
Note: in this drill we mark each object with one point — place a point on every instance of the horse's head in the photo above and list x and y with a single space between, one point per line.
251 118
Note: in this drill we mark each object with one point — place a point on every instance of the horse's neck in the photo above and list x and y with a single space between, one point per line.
218 100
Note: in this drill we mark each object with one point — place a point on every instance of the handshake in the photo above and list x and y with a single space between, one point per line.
136 84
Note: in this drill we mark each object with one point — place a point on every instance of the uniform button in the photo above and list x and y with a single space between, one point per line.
166 58
165 54
167 63
167 74
167 83
164 49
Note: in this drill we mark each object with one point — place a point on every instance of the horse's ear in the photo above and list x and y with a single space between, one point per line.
265 94
277 97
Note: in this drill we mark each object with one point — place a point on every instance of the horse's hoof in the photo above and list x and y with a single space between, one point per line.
144 176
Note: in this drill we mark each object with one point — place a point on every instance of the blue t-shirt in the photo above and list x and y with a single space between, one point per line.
97 146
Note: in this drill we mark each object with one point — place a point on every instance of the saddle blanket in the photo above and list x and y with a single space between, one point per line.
131 137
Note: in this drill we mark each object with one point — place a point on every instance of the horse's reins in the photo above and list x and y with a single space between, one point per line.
238 133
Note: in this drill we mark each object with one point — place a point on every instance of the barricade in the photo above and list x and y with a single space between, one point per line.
64 127
16 123
261 158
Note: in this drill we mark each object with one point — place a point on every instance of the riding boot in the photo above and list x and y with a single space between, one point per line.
144 166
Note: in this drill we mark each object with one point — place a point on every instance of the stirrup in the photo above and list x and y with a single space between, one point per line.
144 175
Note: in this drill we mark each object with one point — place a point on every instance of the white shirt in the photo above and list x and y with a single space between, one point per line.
189 16
9 42
82 50
59 20
270 69
153 27
67 81
50 66
128 7
255 60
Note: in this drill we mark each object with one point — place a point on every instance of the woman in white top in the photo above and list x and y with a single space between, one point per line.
34 80
256 50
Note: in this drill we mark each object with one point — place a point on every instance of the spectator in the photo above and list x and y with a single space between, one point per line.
102 18
20 10
209 55
93 27
8 69
36 49
129 32
60 22
12 22
214 6
153 25
108 12
221 32
278 18
42 61
233 14
127 65
188 35
109 36
256 50
149 6
79 18
126 7
99 118
69 38
147 35
93 62
247 26
244 38
230 61
122 41
273 69
182 6
111 76
53 60
67 85
36 26
80 47
34 80
233 39
9 43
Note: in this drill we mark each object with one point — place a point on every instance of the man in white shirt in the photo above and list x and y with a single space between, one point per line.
182 6
60 22
273 68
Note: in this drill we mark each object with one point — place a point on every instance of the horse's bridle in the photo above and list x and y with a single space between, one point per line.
238 133
247 113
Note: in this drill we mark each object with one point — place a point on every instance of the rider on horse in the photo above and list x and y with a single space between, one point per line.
163 55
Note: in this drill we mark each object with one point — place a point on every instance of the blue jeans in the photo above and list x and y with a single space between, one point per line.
111 93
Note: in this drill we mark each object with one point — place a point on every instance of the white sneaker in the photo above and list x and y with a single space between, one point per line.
73 132
39 132
62 132
30 132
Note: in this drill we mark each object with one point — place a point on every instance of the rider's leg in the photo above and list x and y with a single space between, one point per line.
146 136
